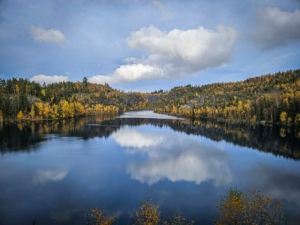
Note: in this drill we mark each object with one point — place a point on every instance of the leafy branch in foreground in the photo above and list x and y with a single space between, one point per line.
179 219
99 218
148 214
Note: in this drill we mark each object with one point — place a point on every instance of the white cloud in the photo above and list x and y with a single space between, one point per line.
173 157
195 49
276 27
44 176
173 55
129 73
40 34
48 79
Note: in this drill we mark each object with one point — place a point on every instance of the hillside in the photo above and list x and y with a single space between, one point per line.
266 99
21 99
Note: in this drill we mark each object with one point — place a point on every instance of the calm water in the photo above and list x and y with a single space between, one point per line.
55 172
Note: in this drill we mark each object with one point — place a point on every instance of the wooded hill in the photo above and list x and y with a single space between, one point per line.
266 99
21 99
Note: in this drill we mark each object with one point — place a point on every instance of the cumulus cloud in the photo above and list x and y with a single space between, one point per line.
276 27
129 73
174 157
40 34
48 79
44 176
175 54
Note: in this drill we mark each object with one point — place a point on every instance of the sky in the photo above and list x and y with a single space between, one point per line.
145 45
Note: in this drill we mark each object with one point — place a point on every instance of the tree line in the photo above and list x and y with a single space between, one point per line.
21 99
268 99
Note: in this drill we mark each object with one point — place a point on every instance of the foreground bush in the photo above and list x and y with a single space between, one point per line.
236 208
252 208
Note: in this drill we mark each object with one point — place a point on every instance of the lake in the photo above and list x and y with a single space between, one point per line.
55 172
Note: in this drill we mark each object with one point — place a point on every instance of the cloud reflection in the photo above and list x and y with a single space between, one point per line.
175 157
132 138
278 183
43 176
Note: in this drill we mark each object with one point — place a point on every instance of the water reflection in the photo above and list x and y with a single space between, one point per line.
43 176
262 138
68 167
278 182
174 157
132 138
146 114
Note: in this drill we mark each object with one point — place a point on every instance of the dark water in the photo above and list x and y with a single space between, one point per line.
55 172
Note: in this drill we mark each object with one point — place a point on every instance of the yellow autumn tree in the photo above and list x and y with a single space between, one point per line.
17 89
80 111
179 219
40 107
232 207
283 117
32 112
251 208
65 108
54 111
98 218
43 92
148 214
46 110
20 115
297 119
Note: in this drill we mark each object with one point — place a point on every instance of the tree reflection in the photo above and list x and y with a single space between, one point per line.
278 141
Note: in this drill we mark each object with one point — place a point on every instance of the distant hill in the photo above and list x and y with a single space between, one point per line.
267 99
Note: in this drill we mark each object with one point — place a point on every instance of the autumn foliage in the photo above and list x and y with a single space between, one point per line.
98 218
251 208
267 99
235 207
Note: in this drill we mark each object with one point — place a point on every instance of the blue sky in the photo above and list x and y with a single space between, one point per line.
144 45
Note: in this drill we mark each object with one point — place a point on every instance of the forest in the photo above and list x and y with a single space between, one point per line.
267 99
